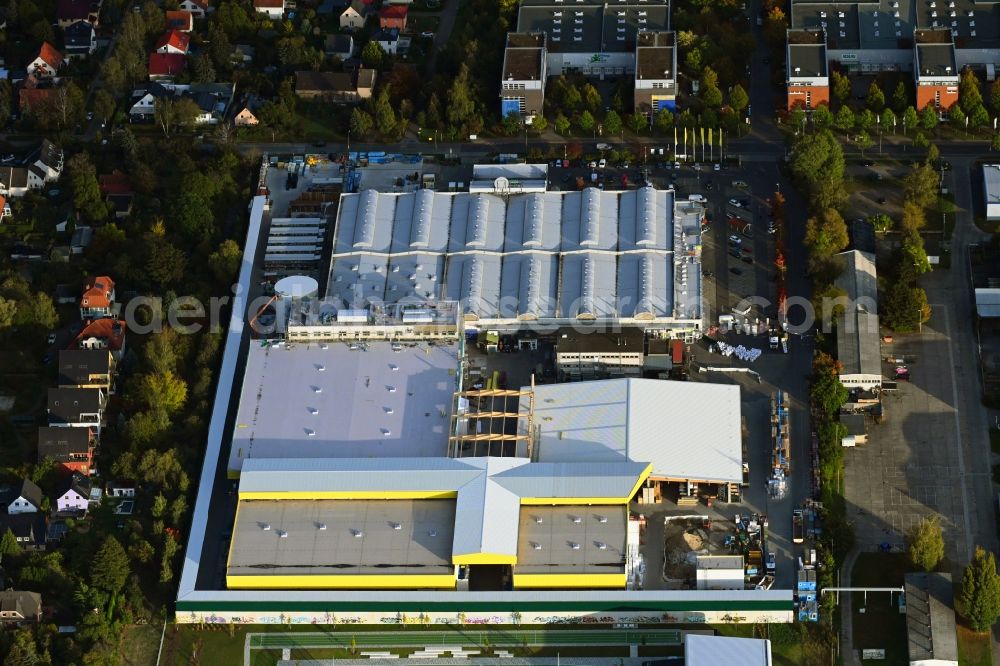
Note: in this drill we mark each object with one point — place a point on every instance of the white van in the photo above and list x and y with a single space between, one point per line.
697 198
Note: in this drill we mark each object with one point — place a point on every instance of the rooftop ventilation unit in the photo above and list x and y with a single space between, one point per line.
282 534
266 527
602 519
576 519
574 545
397 526
535 545
432 533
357 534
321 527
601 545
538 520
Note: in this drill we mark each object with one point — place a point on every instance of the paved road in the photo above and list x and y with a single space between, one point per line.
471 635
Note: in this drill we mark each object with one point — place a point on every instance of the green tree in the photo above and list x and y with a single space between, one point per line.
159 506
86 190
841 86
361 123
663 122
178 509
825 391
104 104
865 121
637 122
165 391
797 118
204 69
23 651
385 115
572 99
612 123
888 120
957 117
9 544
8 312
882 223
979 597
864 141
995 141
826 234
109 568
876 98
920 140
539 123
929 117
970 92
591 98
738 98
905 306
844 119
225 262
586 121
910 118
822 117
900 100
979 117
562 124
995 96
920 185
372 55
926 544
817 161
461 105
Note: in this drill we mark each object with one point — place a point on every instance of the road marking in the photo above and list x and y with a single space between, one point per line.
958 434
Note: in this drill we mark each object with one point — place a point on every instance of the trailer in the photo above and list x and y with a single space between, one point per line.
798 526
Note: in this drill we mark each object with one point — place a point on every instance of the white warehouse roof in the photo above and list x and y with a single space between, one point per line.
703 650
540 255
687 430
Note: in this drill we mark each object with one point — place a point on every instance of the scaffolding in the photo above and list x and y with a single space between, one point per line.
491 422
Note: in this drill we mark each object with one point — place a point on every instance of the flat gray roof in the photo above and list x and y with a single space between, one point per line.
807 60
422 545
571 539
522 63
703 650
687 430
991 183
930 617
936 60
329 401
590 26
858 336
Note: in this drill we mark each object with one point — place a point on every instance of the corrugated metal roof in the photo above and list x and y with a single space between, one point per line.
687 430
704 650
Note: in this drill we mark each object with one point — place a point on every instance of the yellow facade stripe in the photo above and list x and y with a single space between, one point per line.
642 479
484 558
342 582
349 495
568 501
615 580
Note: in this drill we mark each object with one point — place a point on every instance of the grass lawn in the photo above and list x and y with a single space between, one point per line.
786 641
973 648
140 644
881 625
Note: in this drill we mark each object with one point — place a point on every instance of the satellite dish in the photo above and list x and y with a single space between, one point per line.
501 185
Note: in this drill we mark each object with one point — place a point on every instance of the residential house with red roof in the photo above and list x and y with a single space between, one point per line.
180 20
5 211
393 16
117 190
71 448
274 9
46 63
198 8
105 333
69 12
98 298
165 65
173 41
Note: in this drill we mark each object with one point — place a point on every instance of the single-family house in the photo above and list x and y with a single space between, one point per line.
242 55
46 63
274 9
173 41
245 117
25 497
388 39
77 408
105 333
70 448
28 529
334 87
69 12
86 368
79 40
179 20
213 100
41 166
82 236
98 298
117 190
121 488
165 66
393 16
198 8
73 495
18 607
339 45
354 17
364 82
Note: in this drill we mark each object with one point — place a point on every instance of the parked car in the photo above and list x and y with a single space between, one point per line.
736 203
51 339
734 253
741 184
748 260
591 165
735 239
716 167
603 163
428 34
736 271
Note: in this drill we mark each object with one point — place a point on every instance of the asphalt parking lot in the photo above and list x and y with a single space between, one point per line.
910 467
